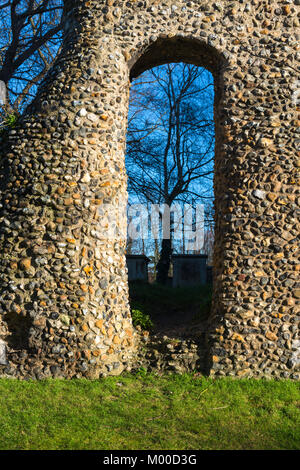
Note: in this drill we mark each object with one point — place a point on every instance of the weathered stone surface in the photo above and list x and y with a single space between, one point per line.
65 158
3 356
166 354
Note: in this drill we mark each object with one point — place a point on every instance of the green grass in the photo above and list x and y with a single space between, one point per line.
149 412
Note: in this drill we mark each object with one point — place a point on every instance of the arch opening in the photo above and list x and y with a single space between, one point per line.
180 51
177 49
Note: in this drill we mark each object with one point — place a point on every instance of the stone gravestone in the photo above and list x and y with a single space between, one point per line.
137 266
189 270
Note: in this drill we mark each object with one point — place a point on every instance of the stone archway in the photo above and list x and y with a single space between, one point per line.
63 165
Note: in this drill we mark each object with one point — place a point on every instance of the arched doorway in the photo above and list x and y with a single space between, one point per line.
168 51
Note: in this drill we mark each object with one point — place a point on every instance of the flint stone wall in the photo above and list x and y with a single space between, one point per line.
64 297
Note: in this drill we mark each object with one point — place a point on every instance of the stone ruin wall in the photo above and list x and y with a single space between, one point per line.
64 296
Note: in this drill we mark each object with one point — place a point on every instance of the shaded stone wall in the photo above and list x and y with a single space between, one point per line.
64 298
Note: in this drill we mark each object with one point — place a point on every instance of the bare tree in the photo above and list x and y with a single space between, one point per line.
170 145
30 38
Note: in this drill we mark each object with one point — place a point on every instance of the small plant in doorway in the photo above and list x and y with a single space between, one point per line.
141 319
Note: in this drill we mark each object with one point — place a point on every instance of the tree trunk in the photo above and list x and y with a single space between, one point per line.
164 262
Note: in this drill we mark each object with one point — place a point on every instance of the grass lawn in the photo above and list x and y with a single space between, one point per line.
148 412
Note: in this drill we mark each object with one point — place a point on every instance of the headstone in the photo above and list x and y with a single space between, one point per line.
189 270
137 266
